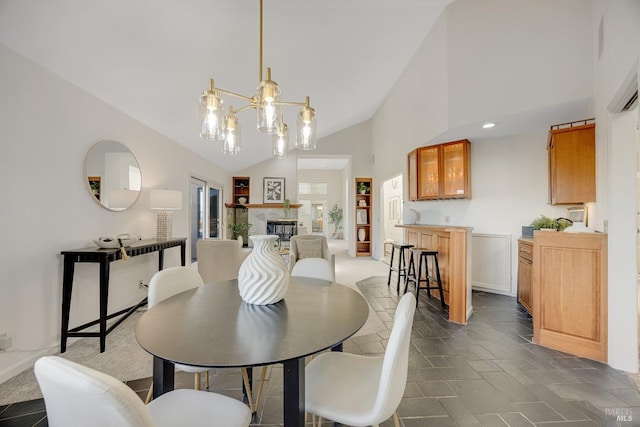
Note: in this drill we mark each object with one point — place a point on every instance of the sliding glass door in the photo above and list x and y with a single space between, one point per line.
205 212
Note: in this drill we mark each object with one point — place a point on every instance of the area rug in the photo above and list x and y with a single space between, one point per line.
123 359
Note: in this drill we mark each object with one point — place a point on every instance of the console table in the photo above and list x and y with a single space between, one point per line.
105 257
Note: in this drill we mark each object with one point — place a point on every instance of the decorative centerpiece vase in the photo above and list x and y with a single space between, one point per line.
263 277
361 234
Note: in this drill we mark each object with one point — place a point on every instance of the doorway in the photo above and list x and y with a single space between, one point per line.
205 213
391 214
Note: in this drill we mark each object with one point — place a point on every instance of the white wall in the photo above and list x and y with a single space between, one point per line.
617 166
46 128
507 56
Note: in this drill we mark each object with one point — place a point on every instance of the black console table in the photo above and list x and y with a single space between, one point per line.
105 257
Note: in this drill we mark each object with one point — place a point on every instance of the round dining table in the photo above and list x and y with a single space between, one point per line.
211 326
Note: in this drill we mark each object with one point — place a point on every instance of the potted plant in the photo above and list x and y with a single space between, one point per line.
363 188
286 206
546 223
240 229
335 218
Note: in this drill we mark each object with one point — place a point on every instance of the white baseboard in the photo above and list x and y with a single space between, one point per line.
24 361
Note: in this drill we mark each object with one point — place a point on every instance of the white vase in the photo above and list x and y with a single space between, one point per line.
410 216
361 234
263 277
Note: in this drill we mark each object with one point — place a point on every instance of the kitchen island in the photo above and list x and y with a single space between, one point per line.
454 258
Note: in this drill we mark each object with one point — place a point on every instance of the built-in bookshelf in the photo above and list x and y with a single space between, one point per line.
363 202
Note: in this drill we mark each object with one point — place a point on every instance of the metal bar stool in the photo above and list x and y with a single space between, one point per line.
402 265
411 276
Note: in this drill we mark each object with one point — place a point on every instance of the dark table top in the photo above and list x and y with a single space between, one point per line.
139 245
211 325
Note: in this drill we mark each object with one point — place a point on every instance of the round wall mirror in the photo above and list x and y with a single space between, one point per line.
112 175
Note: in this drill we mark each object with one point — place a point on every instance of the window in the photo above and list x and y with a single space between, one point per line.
312 188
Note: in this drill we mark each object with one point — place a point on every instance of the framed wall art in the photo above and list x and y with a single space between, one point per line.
273 190
361 218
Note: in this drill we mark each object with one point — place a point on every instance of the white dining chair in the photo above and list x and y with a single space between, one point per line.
164 284
169 282
362 390
315 268
78 396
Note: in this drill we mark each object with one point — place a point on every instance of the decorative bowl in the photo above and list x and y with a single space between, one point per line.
112 242
242 200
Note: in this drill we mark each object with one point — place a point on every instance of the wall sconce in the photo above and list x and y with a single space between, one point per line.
165 201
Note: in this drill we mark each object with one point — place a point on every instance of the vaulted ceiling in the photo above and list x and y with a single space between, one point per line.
153 58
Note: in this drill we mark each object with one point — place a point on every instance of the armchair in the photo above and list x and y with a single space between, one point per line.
219 259
310 246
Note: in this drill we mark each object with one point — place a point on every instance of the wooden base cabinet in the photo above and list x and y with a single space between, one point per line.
454 259
525 270
570 293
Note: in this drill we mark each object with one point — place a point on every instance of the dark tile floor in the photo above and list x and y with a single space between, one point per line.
487 373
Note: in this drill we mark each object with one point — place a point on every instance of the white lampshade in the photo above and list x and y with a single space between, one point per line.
165 199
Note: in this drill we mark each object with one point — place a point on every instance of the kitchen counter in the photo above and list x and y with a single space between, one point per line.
453 244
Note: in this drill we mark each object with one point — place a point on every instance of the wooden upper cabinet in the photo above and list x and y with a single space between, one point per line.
572 164
412 168
429 172
455 170
441 171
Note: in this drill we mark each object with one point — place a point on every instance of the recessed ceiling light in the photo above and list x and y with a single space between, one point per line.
488 125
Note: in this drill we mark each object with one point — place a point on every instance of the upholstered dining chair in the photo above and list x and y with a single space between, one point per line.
316 268
310 246
219 259
78 396
362 390
169 282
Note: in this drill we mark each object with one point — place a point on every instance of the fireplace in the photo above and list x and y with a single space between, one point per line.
283 228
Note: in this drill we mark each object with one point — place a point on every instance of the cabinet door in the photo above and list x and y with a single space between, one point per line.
412 174
572 165
429 173
525 265
570 293
455 170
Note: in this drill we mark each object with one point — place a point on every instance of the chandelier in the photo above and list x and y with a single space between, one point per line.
268 105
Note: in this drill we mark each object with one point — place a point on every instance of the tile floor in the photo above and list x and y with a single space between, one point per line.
487 373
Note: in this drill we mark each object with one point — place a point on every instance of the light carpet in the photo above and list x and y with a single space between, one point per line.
126 360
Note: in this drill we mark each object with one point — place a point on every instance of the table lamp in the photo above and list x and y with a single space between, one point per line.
165 201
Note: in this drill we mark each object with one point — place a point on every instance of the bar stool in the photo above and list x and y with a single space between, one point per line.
411 276
402 266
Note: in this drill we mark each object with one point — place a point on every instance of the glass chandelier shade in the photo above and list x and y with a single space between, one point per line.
267 102
212 115
231 144
307 125
268 105
281 142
